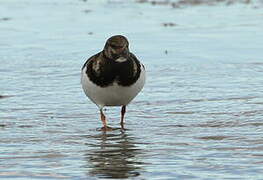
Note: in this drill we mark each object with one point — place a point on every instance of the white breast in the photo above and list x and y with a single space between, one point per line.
113 95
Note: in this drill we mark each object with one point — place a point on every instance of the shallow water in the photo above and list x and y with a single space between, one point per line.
198 117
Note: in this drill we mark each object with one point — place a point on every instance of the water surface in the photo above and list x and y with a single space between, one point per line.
198 117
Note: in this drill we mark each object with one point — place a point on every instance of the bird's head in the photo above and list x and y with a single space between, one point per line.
117 48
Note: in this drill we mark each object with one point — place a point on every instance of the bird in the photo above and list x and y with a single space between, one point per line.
113 77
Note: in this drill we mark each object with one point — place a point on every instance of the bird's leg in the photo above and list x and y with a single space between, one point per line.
123 110
103 119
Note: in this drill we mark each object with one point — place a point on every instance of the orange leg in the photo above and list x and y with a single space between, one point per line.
104 121
103 118
123 110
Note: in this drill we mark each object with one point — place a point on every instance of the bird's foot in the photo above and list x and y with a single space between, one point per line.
106 128
122 127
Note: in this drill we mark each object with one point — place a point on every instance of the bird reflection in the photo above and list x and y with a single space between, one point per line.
114 156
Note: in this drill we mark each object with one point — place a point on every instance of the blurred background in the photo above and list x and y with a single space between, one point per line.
198 117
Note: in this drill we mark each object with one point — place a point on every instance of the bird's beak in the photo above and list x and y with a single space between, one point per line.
119 50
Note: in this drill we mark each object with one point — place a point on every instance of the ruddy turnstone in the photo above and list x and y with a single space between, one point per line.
113 77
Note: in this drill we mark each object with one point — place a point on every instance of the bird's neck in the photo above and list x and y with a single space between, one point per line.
114 60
